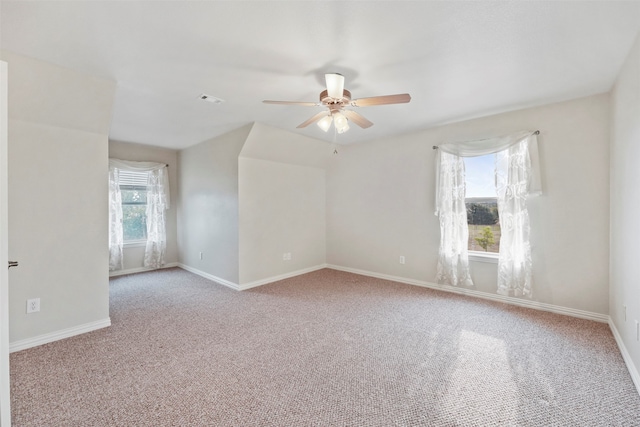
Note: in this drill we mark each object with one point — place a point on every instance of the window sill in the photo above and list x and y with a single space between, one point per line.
135 244
490 257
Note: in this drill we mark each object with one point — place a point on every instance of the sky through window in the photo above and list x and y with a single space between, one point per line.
480 177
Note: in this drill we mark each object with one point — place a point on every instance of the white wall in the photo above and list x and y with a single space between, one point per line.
247 197
380 203
282 209
282 203
625 204
208 205
58 219
134 255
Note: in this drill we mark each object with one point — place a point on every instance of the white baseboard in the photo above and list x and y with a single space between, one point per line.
216 279
253 284
139 270
272 279
633 371
58 335
603 318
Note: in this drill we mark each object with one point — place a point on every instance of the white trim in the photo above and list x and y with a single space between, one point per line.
633 371
255 283
140 269
272 279
489 257
134 244
211 277
603 318
58 335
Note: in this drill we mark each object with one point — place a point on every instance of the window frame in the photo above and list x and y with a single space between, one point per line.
488 257
480 256
130 187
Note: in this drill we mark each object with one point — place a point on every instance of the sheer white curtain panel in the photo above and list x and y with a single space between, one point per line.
453 257
115 221
158 201
482 147
517 176
513 178
157 204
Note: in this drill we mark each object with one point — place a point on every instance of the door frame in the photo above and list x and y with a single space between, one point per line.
5 383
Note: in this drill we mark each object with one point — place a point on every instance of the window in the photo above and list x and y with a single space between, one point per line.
482 204
133 189
516 177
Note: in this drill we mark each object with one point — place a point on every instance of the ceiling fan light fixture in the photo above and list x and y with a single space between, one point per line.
325 122
340 122
335 98
335 85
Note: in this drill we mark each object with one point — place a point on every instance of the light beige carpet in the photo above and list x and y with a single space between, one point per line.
323 349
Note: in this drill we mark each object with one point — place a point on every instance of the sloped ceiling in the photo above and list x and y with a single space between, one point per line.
38 90
269 143
458 60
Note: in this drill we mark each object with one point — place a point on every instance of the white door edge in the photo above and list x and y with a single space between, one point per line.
5 386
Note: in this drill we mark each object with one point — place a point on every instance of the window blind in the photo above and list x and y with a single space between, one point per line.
134 179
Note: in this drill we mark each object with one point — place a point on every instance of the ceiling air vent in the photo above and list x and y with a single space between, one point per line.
211 99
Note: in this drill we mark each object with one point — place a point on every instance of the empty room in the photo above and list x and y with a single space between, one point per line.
319 213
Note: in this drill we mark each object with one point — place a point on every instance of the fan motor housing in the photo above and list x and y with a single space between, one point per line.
327 100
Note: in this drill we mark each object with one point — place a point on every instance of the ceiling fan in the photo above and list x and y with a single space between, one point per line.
336 98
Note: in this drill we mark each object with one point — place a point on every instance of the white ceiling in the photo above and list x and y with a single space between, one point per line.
458 60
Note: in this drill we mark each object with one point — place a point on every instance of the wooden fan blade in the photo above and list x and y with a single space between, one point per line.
313 119
401 98
357 119
304 104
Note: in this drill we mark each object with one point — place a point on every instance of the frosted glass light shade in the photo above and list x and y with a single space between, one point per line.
340 122
335 85
325 123
344 128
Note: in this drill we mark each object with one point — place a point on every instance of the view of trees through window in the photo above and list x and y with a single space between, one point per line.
482 204
134 212
484 225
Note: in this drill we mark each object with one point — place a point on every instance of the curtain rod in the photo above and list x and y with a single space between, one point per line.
435 147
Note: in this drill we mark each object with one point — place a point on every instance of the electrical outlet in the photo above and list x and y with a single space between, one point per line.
286 256
33 305
200 255
402 259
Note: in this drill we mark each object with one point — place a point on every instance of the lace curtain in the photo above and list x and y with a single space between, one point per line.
453 257
517 176
158 201
513 175
115 221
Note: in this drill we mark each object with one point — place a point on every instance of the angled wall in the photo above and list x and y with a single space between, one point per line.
58 216
282 204
208 205
247 197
